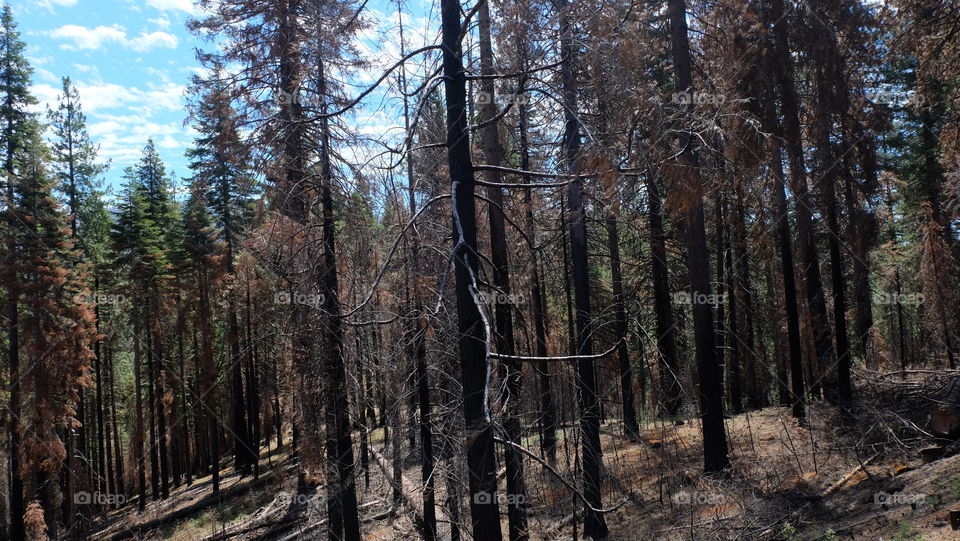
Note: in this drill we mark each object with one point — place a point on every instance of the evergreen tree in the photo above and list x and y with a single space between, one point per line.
141 237
74 155
59 329
218 161
15 99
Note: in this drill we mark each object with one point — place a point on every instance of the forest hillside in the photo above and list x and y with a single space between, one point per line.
482 270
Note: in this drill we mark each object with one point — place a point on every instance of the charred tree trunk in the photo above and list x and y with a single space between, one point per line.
342 498
253 390
13 360
208 383
241 455
791 304
756 395
595 525
698 265
666 328
816 303
138 452
472 338
427 461
152 409
162 454
510 370
630 425
109 431
548 414
117 451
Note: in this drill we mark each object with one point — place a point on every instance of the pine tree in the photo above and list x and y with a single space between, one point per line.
698 265
15 99
74 157
141 239
57 347
218 160
74 154
200 242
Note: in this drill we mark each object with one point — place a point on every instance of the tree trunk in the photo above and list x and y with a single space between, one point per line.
152 410
117 451
138 451
548 414
816 303
595 525
510 370
208 383
427 461
798 399
253 391
13 360
472 338
670 389
340 459
108 429
755 361
731 328
161 419
630 425
698 265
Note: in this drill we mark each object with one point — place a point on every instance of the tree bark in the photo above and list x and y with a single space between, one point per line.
698 265
472 337
510 370
595 525
670 389
785 245
784 73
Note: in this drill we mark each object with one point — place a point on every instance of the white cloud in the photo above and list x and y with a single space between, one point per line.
162 22
174 5
84 38
51 4
46 95
122 137
44 74
38 60
154 40
99 96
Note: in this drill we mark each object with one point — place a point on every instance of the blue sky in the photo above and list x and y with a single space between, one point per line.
132 59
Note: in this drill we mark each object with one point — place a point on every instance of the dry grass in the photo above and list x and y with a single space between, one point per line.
786 482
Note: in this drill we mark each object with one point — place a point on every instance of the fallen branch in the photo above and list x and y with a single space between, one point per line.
409 491
846 478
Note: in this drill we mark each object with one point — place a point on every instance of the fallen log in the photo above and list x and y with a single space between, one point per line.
410 492
846 478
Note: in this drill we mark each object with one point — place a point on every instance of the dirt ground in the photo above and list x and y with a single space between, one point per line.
786 482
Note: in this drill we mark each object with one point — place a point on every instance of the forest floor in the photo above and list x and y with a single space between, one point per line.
786 482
